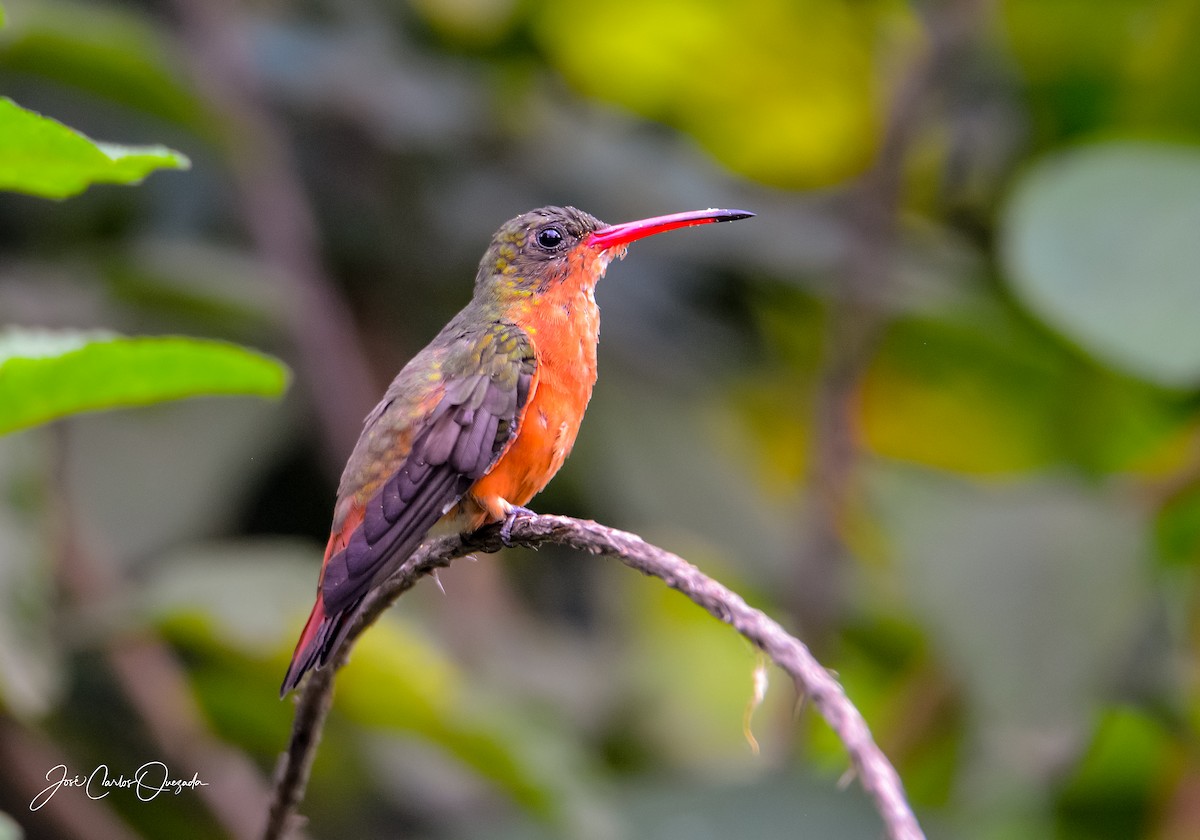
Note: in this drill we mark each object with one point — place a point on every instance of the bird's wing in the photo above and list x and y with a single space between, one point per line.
443 424
455 444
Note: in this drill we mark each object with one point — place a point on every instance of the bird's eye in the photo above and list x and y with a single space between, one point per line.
550 238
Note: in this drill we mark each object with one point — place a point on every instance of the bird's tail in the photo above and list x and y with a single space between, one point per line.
322 635
308 649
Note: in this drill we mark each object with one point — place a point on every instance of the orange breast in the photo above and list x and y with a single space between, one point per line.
563 324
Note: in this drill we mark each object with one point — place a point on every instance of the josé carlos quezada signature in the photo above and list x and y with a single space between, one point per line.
151 779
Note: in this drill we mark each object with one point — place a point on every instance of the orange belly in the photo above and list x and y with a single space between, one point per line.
542 445
564 327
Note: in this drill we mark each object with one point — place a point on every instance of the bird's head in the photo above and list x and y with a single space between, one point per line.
550 245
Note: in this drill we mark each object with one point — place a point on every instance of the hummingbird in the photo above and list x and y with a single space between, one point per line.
481 419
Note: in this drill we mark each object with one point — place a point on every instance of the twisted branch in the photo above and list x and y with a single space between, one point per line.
874 771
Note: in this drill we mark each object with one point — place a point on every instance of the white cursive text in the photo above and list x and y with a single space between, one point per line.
151 779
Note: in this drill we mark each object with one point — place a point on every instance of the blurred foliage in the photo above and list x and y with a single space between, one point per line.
104 50
947 383
716 72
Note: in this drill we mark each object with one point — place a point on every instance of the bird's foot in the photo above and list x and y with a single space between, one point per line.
511 514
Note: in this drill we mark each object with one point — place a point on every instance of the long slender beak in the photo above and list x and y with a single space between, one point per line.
616 235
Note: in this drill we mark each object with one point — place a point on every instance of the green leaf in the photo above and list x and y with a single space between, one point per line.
1177 529
41 156
45 375
1101 242
1116 789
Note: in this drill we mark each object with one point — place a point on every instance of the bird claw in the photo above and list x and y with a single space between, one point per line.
510 518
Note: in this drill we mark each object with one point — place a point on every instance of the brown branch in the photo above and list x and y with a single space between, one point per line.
281 222
874 771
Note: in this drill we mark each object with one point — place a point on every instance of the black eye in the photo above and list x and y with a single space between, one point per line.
550 238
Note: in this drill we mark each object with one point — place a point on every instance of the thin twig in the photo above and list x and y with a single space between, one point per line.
872 768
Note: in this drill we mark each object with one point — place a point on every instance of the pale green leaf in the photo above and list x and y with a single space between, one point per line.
46 375
1101 242
9 829
994 572
41 156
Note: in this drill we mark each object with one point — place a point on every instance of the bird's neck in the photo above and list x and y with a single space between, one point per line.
562 320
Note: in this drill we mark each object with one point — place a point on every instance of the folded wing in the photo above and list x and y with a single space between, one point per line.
485 382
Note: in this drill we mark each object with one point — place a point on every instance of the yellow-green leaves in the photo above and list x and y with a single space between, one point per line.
1108 64
784 91
45 375
41 156
953 399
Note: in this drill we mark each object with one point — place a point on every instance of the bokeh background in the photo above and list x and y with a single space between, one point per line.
935 408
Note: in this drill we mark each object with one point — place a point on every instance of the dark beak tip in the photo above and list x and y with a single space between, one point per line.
735 215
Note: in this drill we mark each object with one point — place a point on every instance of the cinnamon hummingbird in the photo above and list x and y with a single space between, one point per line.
480 420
